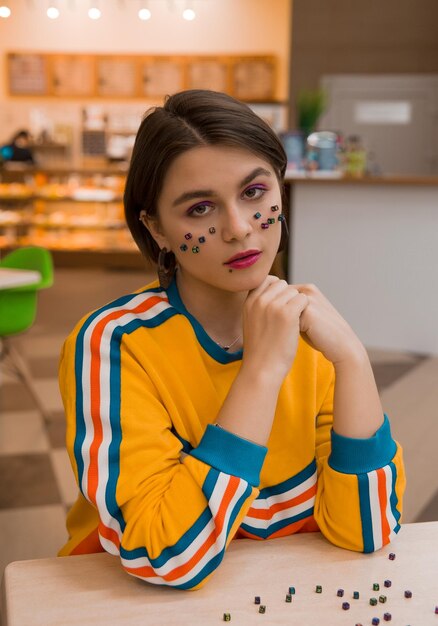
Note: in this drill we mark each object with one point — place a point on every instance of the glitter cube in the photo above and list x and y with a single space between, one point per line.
262 608
387 583
391 556
376 586
257 215
345 606
227 617
373 601
201 239
318 589
408 594
340 593
355 595
257 600
288 597
375 621
183 247
387 617
292 590
382 599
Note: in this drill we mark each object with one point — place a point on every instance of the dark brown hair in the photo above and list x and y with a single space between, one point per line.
190 119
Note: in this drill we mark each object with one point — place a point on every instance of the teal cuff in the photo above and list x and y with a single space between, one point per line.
359 456
231 454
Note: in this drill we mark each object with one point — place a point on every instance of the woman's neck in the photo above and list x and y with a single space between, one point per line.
219 312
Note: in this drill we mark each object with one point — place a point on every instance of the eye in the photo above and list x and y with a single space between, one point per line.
200 209
255 192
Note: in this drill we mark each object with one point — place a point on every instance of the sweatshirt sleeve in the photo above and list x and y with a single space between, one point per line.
360 484
169 515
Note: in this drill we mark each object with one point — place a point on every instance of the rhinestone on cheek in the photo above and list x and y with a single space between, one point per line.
212 230
188 235
195 249
183 247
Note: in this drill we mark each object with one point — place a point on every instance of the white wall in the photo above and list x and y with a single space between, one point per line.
221 26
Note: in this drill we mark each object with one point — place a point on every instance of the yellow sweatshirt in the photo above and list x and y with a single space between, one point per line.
166 490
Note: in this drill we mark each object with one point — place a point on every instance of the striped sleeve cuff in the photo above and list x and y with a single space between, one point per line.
359 456
231 454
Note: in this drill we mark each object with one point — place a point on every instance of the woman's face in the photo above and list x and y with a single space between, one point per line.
213 215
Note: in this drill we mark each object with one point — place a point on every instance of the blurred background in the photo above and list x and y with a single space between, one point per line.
352 90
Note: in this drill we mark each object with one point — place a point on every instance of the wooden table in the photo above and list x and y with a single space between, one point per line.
93 589
17 278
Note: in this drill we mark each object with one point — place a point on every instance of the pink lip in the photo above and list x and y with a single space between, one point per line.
243 259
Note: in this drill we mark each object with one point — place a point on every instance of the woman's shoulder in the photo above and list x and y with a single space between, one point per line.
142 304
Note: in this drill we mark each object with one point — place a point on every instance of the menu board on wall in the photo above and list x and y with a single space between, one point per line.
116 77
72 75
161 77
249 78
208 74
27 74
254 79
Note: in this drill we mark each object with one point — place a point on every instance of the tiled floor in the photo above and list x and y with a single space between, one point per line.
36 481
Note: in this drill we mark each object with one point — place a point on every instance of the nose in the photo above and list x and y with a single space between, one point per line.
236 225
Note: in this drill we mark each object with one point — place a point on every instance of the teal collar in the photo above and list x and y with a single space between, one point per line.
210 346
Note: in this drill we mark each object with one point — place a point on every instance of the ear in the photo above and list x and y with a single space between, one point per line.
154 227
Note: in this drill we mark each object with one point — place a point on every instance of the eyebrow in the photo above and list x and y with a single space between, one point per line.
202 193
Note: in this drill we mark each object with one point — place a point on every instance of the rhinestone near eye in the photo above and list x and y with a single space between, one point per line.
271 220
257 215
281 218
195 249
212 230
274 208
201 239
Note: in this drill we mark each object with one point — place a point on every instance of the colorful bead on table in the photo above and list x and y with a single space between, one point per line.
292 590
387 617
257 600
288 597
436 610
375 621
227 617
355 595
345 606
318 589
391 556
408 594
373 601
340 593
262 608
387 583
376 586
382 599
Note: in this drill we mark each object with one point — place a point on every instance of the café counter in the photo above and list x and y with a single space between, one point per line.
371 245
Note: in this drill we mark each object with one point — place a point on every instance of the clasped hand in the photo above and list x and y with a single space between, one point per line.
276 313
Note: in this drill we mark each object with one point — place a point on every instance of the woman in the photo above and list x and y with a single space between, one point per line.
222 402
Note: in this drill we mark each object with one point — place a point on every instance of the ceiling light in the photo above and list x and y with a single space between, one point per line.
189 14
144 14
53 13
5 11
94 13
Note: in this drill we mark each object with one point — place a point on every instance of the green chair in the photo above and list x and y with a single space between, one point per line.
18 307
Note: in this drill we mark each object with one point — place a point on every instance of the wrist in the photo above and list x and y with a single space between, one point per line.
357 356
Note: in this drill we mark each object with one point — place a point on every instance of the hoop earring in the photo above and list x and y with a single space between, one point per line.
166 267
